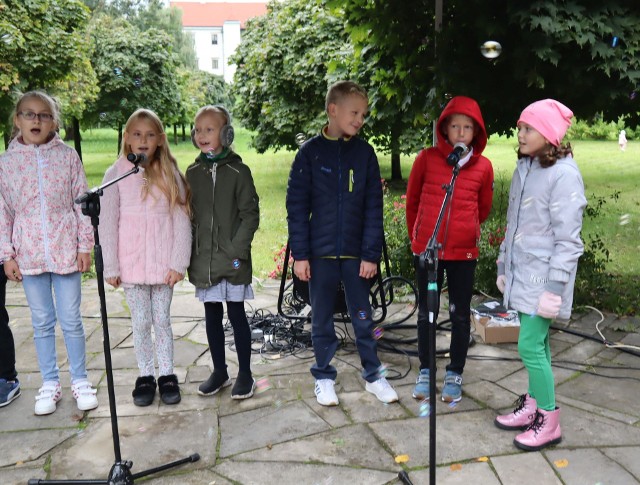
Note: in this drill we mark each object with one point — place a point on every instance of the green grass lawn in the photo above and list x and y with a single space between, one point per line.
604 167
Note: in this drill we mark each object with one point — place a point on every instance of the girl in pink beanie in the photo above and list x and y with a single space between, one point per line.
538 260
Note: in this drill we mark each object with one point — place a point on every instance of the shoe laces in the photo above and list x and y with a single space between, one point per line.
519 404
537 423
383 383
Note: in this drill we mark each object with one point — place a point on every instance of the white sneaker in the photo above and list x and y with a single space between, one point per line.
382 390
48 395
84 394
325 393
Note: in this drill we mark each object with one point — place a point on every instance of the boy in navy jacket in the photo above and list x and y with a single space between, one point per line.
334 215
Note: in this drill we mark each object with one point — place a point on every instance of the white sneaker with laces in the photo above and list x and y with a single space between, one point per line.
84 394
48 395
382 390
325 392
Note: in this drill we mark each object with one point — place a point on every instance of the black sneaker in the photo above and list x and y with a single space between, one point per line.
244 386
169 389
217 380
145 391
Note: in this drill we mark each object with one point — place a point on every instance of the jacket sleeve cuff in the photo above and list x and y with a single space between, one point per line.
500 268
559 275
555 287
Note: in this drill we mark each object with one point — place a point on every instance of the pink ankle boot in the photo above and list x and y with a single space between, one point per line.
543 432
521 417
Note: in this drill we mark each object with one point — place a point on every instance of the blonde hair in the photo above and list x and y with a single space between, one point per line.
341 89
49 101
214 110
162 166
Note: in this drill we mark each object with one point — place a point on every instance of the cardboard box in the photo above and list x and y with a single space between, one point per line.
495 334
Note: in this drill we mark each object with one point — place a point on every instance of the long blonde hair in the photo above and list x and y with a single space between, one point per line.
162 166
49 101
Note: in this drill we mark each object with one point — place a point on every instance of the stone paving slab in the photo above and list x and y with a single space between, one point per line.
598 465
296 473
525 469
354 446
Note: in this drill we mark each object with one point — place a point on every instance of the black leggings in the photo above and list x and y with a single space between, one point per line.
460 276
241 334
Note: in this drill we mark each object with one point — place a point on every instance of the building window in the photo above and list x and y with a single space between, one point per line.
214 39
214 63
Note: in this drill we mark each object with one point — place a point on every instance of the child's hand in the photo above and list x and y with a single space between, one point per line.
172 278
302 269
549 305
84 262
368 269
501 283
12 270
115 282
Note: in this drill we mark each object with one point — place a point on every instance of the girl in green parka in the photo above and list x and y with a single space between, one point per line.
225 218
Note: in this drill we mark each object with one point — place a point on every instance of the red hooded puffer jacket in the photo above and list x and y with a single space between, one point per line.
470 204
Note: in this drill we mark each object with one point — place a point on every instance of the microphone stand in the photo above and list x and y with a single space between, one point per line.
120 473
429 260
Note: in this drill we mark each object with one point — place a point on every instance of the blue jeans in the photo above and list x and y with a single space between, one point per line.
44 314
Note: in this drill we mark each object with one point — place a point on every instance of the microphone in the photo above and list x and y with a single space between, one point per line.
454 157
137 159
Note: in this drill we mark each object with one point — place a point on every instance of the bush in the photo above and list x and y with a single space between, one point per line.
395 233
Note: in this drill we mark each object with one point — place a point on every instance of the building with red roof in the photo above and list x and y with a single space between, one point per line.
216 27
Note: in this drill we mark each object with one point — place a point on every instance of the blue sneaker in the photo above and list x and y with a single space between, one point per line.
452 390
421 390
8 391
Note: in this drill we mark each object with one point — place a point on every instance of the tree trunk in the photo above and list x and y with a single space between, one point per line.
396 169
5 136
184 133
119 138
77 138
68 132
175 133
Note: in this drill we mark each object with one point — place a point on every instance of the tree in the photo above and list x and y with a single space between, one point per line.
133 71
42 46
584 53
286 60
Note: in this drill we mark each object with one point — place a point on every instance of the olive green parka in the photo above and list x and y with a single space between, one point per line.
225 217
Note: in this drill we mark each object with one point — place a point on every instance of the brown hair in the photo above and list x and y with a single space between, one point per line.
49 101
162 166
551 153
341 89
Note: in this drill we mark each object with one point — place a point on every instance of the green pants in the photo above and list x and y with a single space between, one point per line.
533 347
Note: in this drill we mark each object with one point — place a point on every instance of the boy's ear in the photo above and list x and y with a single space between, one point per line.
331 109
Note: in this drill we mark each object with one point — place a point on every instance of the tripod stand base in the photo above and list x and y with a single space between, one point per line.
120 473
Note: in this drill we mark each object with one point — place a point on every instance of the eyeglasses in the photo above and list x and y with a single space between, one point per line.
30 115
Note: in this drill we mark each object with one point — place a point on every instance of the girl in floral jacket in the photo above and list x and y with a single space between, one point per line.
46 241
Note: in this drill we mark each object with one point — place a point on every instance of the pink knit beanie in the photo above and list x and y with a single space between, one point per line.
550 117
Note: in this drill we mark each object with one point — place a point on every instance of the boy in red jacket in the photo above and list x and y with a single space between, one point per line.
460 122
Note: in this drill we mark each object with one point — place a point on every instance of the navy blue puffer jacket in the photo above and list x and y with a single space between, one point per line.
334 200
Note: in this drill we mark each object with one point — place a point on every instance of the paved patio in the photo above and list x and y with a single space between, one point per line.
282 436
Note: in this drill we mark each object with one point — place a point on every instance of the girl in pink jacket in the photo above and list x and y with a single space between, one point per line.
146 239
46 241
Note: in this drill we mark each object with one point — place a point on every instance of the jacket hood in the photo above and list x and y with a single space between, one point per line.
17 146
465 106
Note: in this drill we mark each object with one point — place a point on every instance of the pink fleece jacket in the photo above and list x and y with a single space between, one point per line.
142 239
40 225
